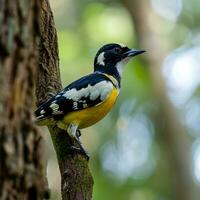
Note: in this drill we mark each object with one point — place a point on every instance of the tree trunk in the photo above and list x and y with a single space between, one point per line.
21 146
76 179
174 136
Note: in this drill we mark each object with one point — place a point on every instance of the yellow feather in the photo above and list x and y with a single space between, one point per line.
89 116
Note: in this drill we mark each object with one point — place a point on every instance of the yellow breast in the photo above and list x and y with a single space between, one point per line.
89 116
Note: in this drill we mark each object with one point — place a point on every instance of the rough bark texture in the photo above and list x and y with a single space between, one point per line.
76 179
21 146
174 136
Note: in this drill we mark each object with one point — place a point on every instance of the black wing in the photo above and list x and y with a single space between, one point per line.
87 91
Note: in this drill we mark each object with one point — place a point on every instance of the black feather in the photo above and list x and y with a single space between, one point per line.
67 105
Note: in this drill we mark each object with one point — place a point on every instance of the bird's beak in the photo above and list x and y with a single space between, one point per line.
133 52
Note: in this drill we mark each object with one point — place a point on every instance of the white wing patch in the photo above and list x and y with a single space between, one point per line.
101 89
94 95
75 105
55 108
42 112
58 96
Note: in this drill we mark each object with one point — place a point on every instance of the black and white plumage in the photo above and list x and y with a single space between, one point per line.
88 99
88 91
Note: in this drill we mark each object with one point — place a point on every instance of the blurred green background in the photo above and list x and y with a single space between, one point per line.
148 147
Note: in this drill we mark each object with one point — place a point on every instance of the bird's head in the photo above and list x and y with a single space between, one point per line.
113 57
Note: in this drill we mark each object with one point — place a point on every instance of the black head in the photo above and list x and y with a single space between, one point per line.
112 57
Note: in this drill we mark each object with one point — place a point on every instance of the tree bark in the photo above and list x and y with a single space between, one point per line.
21 146
76 179
174 136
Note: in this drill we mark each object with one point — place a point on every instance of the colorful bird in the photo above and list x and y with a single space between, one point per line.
88 99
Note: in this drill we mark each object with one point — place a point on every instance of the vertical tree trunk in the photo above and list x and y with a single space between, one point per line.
21 146
76 179
174 136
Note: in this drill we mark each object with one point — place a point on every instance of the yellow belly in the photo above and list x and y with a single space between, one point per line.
89 116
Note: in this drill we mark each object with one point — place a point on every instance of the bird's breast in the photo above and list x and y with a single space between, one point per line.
89 116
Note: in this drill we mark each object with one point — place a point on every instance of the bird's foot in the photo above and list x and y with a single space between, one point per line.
75 134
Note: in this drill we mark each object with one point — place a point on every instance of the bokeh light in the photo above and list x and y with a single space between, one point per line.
169 10
181 70
130 156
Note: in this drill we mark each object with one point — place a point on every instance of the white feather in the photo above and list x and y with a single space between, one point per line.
120 65
42 112
101 89
55 108
106 91
94 94
75 105
100 59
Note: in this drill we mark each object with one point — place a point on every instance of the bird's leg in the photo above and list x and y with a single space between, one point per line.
75 133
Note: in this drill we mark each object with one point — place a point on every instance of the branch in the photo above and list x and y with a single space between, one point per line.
76 179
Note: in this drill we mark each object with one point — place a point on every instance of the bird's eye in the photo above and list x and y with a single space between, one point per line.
118 50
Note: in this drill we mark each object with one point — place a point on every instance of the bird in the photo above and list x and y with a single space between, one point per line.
87 100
